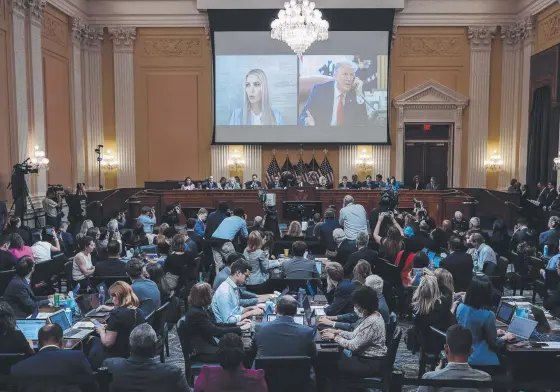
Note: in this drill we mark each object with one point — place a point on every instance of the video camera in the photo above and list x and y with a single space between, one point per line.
419 210
55 187
24 168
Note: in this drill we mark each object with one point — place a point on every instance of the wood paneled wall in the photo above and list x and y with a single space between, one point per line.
173 104
7 138
307 155
56 79
423 53
548 29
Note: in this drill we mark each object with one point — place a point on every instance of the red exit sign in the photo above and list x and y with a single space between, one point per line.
427 127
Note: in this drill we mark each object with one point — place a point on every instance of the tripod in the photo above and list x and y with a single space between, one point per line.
23 198
99 153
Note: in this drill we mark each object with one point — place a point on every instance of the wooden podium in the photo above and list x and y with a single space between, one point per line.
306 193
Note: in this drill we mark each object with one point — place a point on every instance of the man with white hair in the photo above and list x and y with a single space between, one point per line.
345 247
338 102
353 218
474 228
140 372
459 224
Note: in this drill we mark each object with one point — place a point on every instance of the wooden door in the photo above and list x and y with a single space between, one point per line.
426 160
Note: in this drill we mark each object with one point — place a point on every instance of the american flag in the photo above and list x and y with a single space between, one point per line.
301 169
326 170
313 164
287 166
272 170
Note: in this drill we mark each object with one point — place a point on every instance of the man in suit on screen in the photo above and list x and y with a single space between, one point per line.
337 103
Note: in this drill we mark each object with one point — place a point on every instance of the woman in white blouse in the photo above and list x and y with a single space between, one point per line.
364 347
42 250
188 185
82 266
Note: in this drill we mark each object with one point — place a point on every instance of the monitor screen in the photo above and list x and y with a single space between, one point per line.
60 319
505 312
335 93
30 328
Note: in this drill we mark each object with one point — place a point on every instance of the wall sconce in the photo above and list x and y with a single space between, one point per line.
109 162
236 161
556 166
364 161
39 160
494 163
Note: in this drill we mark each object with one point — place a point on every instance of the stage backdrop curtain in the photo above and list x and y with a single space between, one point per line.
543 142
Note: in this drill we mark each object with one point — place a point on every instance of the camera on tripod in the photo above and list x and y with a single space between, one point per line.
24 168
55 187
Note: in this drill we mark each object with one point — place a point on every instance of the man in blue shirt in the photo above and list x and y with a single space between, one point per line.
222 239
147 219
246 298
225 302
146 290
200 225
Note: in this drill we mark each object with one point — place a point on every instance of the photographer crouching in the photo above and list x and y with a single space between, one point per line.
75 208
52 205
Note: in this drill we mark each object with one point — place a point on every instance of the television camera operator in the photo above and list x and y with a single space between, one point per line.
52 205
270 220
75 209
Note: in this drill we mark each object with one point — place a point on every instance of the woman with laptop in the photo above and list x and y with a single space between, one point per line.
12 341
256 257
475 312
114 336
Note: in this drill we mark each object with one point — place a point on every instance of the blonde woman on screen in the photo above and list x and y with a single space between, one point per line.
256 108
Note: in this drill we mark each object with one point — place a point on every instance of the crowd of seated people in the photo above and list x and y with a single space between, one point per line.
218 311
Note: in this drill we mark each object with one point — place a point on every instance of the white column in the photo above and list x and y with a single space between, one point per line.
457 146
347 156
123 46
253 161
93 101
399 161
381 160
36 11
511 66
526 52
78 156
480 39
20 65
219 158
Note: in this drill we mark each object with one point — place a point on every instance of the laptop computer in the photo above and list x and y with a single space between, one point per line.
522 327
30 327
505 313
88 304
298 318
61 319
540 318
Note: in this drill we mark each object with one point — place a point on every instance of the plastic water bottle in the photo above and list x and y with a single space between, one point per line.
68 312
301 297
101 296
545 251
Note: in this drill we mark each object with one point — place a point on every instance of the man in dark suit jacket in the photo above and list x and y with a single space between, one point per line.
193 235
344 184
363 253
522 234
417 184
215 218
368 183
253 184
7 260
113 266
339 291
433 185
283 336
210 184
345 247
326 229
337 103
53 361
551 195
276 183
299 267
141 373
19 294
459 264
299 182
542 193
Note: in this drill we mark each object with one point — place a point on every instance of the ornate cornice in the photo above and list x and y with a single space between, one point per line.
517 32
480 37
394 35
92 36
36 10
77 31
527 28
18 7
123 38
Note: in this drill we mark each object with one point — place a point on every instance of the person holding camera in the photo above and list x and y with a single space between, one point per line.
75 209
393 243
172 215
148 219
52 205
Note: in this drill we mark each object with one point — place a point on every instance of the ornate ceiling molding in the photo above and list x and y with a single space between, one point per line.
431 95
123 38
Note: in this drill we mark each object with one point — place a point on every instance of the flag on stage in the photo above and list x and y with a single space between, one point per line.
287 166
272 170
326 170
301 169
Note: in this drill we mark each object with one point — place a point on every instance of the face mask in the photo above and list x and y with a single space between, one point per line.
358 312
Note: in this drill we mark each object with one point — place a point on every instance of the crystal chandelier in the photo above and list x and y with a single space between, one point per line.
299 24
39 160
236 161
364 161
556 161
109 162
494 163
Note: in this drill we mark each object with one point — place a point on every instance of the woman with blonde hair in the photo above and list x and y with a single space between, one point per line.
361 271
114 336
257 259
431 309
256 108
232 184
86 225
445 280
294 232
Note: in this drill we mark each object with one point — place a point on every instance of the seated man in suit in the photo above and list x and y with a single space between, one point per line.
338 102
276 183
254 183
299 182
433 185
368 183
355 184
113 266
193 235
145 289
459 263
140 372
339 291
53 361
344 184
345 247
363 253
19 293
283 336
210 184
379 183
417 184
298 267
